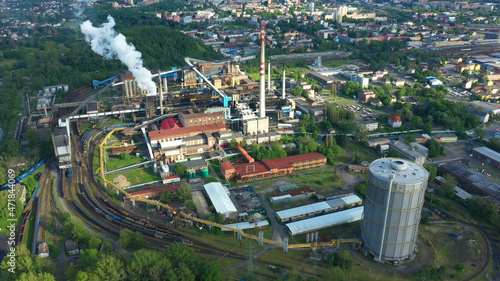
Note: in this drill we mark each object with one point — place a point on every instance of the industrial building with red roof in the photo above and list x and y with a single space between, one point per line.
177 133
170 123
154 192
268 168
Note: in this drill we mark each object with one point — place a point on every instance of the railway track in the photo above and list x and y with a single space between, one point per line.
42 212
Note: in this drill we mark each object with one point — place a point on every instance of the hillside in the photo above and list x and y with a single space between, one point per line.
163 47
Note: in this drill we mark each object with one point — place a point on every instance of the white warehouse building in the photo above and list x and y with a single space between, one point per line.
219 195
325 221
318 208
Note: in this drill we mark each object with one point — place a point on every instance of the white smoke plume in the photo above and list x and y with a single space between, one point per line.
109 44
81 8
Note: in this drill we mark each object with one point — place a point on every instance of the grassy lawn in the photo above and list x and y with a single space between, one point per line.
367 154
85 127
8 63
117 162
342 157
335 63
226 241
137 176
316 180
28 238
216 165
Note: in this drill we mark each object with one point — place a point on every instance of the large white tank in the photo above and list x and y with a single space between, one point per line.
394 199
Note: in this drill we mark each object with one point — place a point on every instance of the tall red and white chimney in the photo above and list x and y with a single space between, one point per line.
262 93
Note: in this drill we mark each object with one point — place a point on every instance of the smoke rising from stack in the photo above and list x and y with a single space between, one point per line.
80 9
106 42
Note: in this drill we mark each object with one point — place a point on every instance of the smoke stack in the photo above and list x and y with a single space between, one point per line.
283 97
269 76
161 92
262 95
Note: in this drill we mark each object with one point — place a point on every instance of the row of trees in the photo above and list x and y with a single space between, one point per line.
274 152
183 194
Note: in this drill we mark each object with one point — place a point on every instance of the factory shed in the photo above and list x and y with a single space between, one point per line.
154 192
218 194
472 180
325 221
292 195
487 155
317 208
462 194
247 225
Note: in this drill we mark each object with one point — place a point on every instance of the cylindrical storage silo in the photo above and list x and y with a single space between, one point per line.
204 172
394 199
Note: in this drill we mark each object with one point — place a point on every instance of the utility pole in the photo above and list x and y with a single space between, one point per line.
251 253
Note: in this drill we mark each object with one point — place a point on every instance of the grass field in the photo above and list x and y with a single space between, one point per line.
117 162
316 180
335 63
85 127
137 176
216 165
8 63
366 153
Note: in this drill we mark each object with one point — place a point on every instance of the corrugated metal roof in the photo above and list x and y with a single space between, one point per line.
488 153
247 225
325 221
317 207
218 195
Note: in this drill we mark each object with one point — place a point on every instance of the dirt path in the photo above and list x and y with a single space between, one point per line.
424 259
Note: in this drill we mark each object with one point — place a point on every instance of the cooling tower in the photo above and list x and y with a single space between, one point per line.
394 199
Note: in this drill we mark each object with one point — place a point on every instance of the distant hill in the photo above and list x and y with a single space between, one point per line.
163 47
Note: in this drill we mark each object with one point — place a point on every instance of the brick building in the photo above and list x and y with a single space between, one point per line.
268 168
200 119
154 192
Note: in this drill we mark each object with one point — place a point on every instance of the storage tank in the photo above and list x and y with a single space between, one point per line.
204 172
394 199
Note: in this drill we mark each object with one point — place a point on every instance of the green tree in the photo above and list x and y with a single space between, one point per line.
243 143
233 144
210 272
33 137
432 171
130 240
361 189
361 133
125 156
12 148
459 267
167 196
33 276
3 176
434 148
180 169
185 192
31 185
147 264
480 132
448 187
109 268
335 274
297 91
341 140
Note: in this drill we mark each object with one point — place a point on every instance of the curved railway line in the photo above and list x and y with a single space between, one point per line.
102 223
